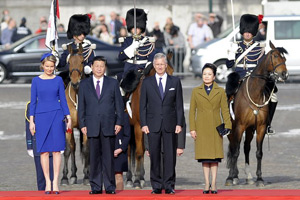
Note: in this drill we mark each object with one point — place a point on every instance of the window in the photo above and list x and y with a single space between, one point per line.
36 45
285 30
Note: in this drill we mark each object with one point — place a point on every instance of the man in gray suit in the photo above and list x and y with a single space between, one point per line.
100 111
162 119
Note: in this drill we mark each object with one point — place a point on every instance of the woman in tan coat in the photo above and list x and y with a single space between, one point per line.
208 109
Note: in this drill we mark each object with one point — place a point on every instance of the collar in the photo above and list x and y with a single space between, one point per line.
248 43
95 79
163 76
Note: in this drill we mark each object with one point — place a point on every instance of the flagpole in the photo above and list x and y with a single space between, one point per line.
233 24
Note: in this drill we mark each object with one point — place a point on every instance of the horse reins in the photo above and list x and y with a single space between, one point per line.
69 93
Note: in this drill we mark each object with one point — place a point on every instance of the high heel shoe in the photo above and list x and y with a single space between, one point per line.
206 191
56 192
47 192
213 191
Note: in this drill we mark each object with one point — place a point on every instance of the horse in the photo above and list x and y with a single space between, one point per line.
136 147
76 74
251 113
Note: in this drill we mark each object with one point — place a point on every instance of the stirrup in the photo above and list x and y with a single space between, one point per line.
270 131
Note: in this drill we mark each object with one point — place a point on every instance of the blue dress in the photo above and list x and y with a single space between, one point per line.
49 106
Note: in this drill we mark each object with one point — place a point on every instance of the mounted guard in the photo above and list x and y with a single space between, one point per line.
137 50
244 56
79 27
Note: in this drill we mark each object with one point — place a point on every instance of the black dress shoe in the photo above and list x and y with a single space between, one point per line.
170 191
205 191
156 191
96 192
214 191
110 192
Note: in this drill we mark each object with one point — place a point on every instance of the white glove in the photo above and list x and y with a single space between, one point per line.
30 152
87 69
232 50
129 51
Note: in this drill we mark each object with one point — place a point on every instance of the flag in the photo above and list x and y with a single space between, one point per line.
52 37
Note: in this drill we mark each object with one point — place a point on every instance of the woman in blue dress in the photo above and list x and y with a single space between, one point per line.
48 110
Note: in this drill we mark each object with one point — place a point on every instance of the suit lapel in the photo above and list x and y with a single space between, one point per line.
104 86
168 85
92 87
155 86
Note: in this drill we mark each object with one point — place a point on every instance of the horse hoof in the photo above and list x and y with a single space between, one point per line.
143 183
229 182
86 182
249 181
260 184
137 185
236 181
73 180
129 184
64 182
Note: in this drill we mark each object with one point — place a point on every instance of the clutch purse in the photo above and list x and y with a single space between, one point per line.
221 129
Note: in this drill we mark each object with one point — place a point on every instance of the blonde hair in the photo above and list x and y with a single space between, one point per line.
51 58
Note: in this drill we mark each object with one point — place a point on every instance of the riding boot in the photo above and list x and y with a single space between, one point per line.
272 108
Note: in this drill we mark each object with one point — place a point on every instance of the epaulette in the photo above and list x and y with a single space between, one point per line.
262 44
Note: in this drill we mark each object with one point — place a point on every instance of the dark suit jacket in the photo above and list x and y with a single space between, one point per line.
100 114
161 114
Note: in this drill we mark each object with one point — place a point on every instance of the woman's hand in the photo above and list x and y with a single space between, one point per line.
32 128
69 124
193 134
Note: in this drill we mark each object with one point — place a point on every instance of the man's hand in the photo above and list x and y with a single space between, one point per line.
178 129
145 129
147 153
117 129
232 50
193 134
117 152
84 130
179 152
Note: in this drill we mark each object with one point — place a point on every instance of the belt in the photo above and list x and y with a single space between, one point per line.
139 62
247 65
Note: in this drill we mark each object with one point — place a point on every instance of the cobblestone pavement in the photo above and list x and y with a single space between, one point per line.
280 165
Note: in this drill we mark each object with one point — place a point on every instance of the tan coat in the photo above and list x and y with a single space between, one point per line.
205 116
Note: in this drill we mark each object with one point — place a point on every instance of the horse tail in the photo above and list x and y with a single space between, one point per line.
232 84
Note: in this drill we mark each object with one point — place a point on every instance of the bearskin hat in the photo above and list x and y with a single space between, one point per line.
249 23
78 24
141 19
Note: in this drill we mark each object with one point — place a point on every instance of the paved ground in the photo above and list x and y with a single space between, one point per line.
281 159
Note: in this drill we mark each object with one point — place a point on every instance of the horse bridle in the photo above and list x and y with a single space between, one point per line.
274 74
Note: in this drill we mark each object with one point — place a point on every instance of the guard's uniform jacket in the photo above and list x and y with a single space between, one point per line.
144 55
249 61
88 54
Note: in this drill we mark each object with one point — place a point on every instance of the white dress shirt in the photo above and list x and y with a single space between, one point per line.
100 84
163 80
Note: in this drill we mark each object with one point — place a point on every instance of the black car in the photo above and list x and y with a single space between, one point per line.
22 59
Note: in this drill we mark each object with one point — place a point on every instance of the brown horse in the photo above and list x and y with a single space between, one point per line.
251 112
76 74
136 149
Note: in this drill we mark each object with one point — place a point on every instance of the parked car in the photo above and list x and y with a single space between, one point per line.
22 58
283 31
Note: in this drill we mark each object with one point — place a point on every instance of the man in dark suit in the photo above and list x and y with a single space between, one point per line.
100 111
162 119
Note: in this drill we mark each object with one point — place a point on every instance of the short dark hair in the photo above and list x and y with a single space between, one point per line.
210 66
100 58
